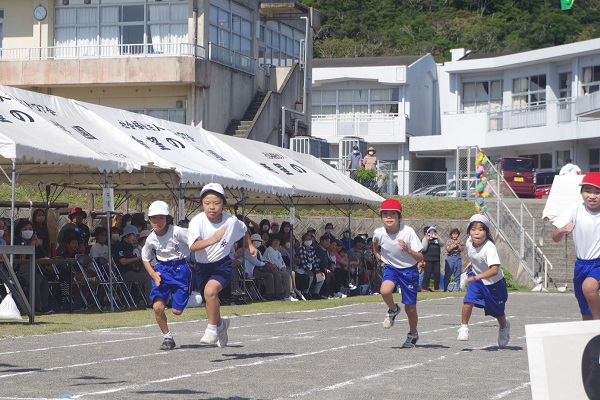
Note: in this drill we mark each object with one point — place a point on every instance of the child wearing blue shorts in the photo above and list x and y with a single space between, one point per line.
487 286
171 276
583 219
400 253
213 258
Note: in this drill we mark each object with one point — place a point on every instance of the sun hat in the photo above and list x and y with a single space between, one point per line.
431 228
129 229
390 205
371 148
75 211
214 187
591 178
144 233
480 218
158 208
256 237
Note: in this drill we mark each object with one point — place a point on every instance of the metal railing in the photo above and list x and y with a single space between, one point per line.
231 58
102 51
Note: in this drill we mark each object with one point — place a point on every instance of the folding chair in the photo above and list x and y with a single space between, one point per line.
250 287
99 284
123 288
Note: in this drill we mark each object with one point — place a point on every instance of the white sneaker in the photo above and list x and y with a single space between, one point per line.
411 340
351 286
340 295
222 336
463 333
290 298
504 335
210 337
388 322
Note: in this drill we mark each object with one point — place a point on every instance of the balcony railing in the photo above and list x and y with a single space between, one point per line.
359 124
102 51
231 58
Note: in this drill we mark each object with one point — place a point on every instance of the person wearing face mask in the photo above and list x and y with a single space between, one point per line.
309 265
329 231
264 226
25 236
40 226
115 236
100 248
355 161
257 267
370 161
347 241
285 230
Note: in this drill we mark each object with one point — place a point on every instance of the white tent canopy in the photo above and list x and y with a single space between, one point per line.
564 193
58 141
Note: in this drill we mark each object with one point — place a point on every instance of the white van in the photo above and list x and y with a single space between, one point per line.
466 188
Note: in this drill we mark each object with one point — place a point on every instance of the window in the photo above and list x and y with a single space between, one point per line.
594 160
132 28
1 26
591 80
173 115
279 44
541 160
355 101
562 156
482 96
230 28
529 92
564 85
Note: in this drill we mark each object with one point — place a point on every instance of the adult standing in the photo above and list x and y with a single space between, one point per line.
431 256
570 169
370 161
355 161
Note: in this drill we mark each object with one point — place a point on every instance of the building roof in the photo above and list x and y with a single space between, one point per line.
477 56
364 61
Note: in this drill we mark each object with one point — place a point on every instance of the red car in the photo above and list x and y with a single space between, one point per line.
542 191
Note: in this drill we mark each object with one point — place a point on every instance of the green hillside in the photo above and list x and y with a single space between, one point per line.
369 28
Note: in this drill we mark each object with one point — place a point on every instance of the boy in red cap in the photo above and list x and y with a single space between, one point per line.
400 253
583 219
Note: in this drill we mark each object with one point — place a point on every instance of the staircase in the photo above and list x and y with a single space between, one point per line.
241 128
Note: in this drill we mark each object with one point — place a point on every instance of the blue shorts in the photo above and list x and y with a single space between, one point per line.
406 278
219 271
175 281
585 269
492 298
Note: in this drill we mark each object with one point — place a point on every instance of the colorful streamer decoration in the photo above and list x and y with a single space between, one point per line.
480 195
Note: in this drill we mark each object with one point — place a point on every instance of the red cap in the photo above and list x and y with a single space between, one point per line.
390 205
591 178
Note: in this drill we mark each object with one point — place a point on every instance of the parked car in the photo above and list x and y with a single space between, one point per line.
467 187
430 190
542 191
545 178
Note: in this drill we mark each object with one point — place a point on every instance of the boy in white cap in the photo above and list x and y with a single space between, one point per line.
171 275
583 219
400 253
213 260
487 286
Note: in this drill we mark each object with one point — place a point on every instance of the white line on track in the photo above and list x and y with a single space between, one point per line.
523 386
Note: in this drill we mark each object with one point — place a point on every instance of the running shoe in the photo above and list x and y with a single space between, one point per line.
504 335
168 344
411 340
388 322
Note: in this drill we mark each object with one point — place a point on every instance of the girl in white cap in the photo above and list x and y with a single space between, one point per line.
487 286
213 260
169 245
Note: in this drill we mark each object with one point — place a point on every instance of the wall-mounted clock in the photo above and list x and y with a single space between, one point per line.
40 12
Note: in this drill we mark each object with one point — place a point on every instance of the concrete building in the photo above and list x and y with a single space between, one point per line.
542 103
238 66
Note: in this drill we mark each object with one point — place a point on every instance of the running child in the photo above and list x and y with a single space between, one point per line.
487 286
212 258
401 253
583 219
169 245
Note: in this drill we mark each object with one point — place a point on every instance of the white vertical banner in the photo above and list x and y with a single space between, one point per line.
181 209
108 199
292 215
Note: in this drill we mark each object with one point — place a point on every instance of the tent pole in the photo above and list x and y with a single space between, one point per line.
244 241
12 206
110 275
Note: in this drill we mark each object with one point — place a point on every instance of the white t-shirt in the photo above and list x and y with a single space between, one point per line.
586 234
200 227
570 169
99 250
391 252
482 258
173 245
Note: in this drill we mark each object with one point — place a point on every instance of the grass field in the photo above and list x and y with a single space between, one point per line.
89 320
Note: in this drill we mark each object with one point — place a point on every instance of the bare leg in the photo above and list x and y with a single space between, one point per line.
467 310
211 296
413 318
159 314
387 293
590 291
502 321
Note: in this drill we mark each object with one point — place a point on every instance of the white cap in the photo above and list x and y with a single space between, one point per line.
215 187
480 218
144 233
256 237
431 228
158 208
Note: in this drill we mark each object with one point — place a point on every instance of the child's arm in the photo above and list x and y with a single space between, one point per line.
466 268
154 274
560 233
417 255
492 271
376 251
201 244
